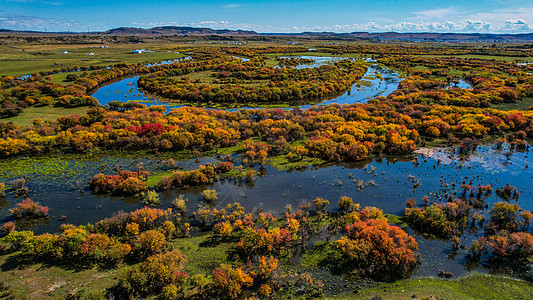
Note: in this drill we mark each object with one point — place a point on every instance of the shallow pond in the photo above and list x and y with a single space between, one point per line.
386 185
460 84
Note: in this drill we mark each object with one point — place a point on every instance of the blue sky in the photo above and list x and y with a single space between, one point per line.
492 16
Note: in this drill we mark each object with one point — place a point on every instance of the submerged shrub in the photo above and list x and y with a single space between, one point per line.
503 216
130 186
210 195
517 246
431 219
8 227
152 199
224 167
180 205
30 209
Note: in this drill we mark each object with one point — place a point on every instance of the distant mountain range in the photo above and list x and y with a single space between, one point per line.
181 31
172 30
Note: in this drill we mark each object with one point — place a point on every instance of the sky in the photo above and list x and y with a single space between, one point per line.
483 16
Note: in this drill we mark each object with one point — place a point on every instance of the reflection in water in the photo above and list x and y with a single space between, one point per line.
461 84
3 202
127 90
168 62
378 81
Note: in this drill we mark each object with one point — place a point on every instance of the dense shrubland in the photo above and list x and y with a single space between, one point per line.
492 82
334 133
260 241
422 108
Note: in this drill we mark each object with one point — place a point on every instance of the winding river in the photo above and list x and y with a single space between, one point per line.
378 81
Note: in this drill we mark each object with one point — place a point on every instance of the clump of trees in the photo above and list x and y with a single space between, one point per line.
160 274
29 209
440 220
202 175
294 61
507 239
386 251
125 183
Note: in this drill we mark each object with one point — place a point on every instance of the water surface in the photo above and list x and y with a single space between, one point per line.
386 185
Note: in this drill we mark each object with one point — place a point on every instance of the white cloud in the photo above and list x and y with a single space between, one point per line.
232 5
467 25
500 16
36 23
518 25
475 26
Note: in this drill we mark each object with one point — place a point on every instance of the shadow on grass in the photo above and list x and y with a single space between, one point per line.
216 240
22 261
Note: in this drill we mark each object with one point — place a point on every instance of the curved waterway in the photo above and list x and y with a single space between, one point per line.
378 81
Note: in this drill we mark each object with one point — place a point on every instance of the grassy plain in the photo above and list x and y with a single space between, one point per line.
523 104
477 286
42 281
486 57
45 113
28 59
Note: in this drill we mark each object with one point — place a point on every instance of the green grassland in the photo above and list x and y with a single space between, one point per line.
487 57
59 281
28 59
38 281
523 104
282 162
475 286
204 77
42 281
61 78
45 113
